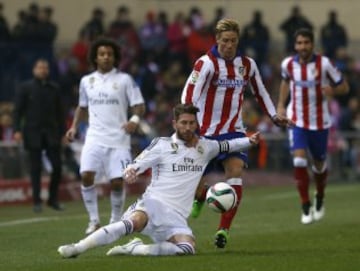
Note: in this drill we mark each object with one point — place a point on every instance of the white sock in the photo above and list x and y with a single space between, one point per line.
105 235
89 195
117 199
163 248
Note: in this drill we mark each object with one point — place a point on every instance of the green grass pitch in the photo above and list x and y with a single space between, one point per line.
266 235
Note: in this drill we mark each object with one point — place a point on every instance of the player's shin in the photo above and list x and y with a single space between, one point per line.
227 217
89 195
105 235
117 199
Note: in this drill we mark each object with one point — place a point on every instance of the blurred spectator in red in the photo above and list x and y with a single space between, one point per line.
199 41
177 34
122 30
80 51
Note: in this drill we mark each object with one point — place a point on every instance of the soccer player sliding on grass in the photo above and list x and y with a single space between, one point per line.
177 164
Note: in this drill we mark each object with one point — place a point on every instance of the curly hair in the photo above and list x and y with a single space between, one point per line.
104 42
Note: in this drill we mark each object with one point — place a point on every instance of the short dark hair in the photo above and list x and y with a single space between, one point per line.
305 32
104 42
184 109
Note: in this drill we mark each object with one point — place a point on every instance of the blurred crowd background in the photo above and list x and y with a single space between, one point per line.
158 50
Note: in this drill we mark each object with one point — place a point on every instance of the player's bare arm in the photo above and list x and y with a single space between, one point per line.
340 89
137 112
254 138
81 113
283 95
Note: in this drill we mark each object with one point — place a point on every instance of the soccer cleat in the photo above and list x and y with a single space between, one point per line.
307 213
221 238
319 210
93 226
125 249
68 251
196 208
306 219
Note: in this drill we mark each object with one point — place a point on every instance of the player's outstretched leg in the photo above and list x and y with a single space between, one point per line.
222 235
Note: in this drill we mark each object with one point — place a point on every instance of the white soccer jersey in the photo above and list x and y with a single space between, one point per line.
177 169
217 86
308 107
108 97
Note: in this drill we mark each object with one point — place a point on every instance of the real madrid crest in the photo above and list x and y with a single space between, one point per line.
175 147
92 81
200 149
115 86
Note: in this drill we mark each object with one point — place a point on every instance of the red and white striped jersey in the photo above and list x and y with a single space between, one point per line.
217 86
308 107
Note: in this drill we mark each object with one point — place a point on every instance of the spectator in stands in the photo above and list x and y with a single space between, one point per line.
255 38
349 122
295 21
95 26
39 122
177 34
333 35
153 37
80 50
18 32
4 27
46 28
123 31
6 129
199 42
219 14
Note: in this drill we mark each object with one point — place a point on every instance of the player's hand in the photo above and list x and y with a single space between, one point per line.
282 121
254 138
130 175
130 127
328 91
70 134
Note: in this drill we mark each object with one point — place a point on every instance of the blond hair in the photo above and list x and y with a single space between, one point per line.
227 25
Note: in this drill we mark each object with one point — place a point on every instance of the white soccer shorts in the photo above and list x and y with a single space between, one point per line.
164 222
104 160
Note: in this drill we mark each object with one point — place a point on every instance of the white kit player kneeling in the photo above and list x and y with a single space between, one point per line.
177 164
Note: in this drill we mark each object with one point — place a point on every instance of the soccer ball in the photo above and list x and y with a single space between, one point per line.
221 197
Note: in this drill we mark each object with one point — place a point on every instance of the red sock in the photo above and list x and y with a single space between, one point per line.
227 217
320 182
302 182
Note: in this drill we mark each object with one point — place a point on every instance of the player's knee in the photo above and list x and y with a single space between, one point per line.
300 162
186 248
117 184
87 178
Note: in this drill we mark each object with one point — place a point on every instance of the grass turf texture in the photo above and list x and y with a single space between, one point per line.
266 235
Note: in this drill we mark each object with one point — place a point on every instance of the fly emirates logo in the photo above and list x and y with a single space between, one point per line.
187 165
103 98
